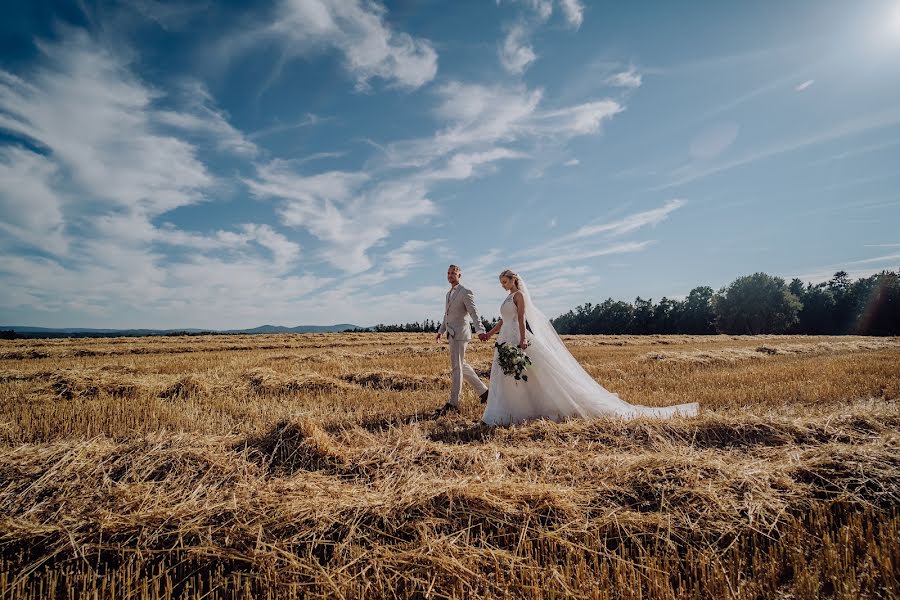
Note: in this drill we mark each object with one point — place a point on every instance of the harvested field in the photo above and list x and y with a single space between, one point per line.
304 466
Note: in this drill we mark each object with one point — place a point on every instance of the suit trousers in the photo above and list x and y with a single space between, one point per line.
461 369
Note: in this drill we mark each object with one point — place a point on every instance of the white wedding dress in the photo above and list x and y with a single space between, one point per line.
558 387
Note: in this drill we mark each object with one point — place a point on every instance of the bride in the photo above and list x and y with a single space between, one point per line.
557 387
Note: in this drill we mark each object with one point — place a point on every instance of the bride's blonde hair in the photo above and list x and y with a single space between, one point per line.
510 274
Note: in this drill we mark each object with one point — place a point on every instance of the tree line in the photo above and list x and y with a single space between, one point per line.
753 304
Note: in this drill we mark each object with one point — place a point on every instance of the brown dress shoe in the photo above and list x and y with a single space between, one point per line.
484 397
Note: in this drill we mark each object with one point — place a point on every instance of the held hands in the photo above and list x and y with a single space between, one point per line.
523 344
484 336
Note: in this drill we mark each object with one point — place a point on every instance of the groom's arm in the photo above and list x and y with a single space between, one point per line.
473 312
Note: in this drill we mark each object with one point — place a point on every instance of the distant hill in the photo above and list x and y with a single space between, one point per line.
90 332
297 329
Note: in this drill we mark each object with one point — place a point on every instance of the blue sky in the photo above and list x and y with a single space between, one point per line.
222 164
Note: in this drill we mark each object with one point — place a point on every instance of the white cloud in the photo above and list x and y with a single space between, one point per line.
713 140
112 164
464 165
581 119
857 151
543 9
200 115
574 162
861 124
97 122
593 240
352 212
627 79
889 258
90 198
340 209
356 28
855 268
30 207
761 90
515 52
477 111
577 254
307 121
408 255
805 85
481 116
573 11
632 222
284 252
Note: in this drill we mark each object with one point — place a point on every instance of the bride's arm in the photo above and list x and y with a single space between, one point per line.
494 329
519 300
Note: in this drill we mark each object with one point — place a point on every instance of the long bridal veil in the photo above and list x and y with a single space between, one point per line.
566 387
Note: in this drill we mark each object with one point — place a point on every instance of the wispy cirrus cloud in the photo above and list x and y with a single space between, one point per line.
410 254
595 239
480 116
633 222
626 79
98 122
516 52
198 114
99 165
570 255
885 118
357 29
854 268
342 209
352 212
573 10
858 151
308 120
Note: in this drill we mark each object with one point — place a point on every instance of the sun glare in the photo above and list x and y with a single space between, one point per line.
894 20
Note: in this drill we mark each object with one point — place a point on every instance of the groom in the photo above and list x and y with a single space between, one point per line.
459 311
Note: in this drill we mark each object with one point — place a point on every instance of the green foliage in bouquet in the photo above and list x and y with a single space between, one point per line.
513 360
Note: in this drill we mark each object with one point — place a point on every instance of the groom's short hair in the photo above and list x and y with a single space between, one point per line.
454 268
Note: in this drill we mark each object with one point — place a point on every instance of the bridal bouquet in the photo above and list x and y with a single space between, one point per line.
513 360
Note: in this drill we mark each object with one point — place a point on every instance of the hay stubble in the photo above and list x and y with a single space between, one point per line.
307 466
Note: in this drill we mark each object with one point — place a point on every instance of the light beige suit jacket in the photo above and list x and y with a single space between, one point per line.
459 312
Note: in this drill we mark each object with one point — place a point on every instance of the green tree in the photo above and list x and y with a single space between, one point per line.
697 315
755 304
877 304
642 317
817 315
666 315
